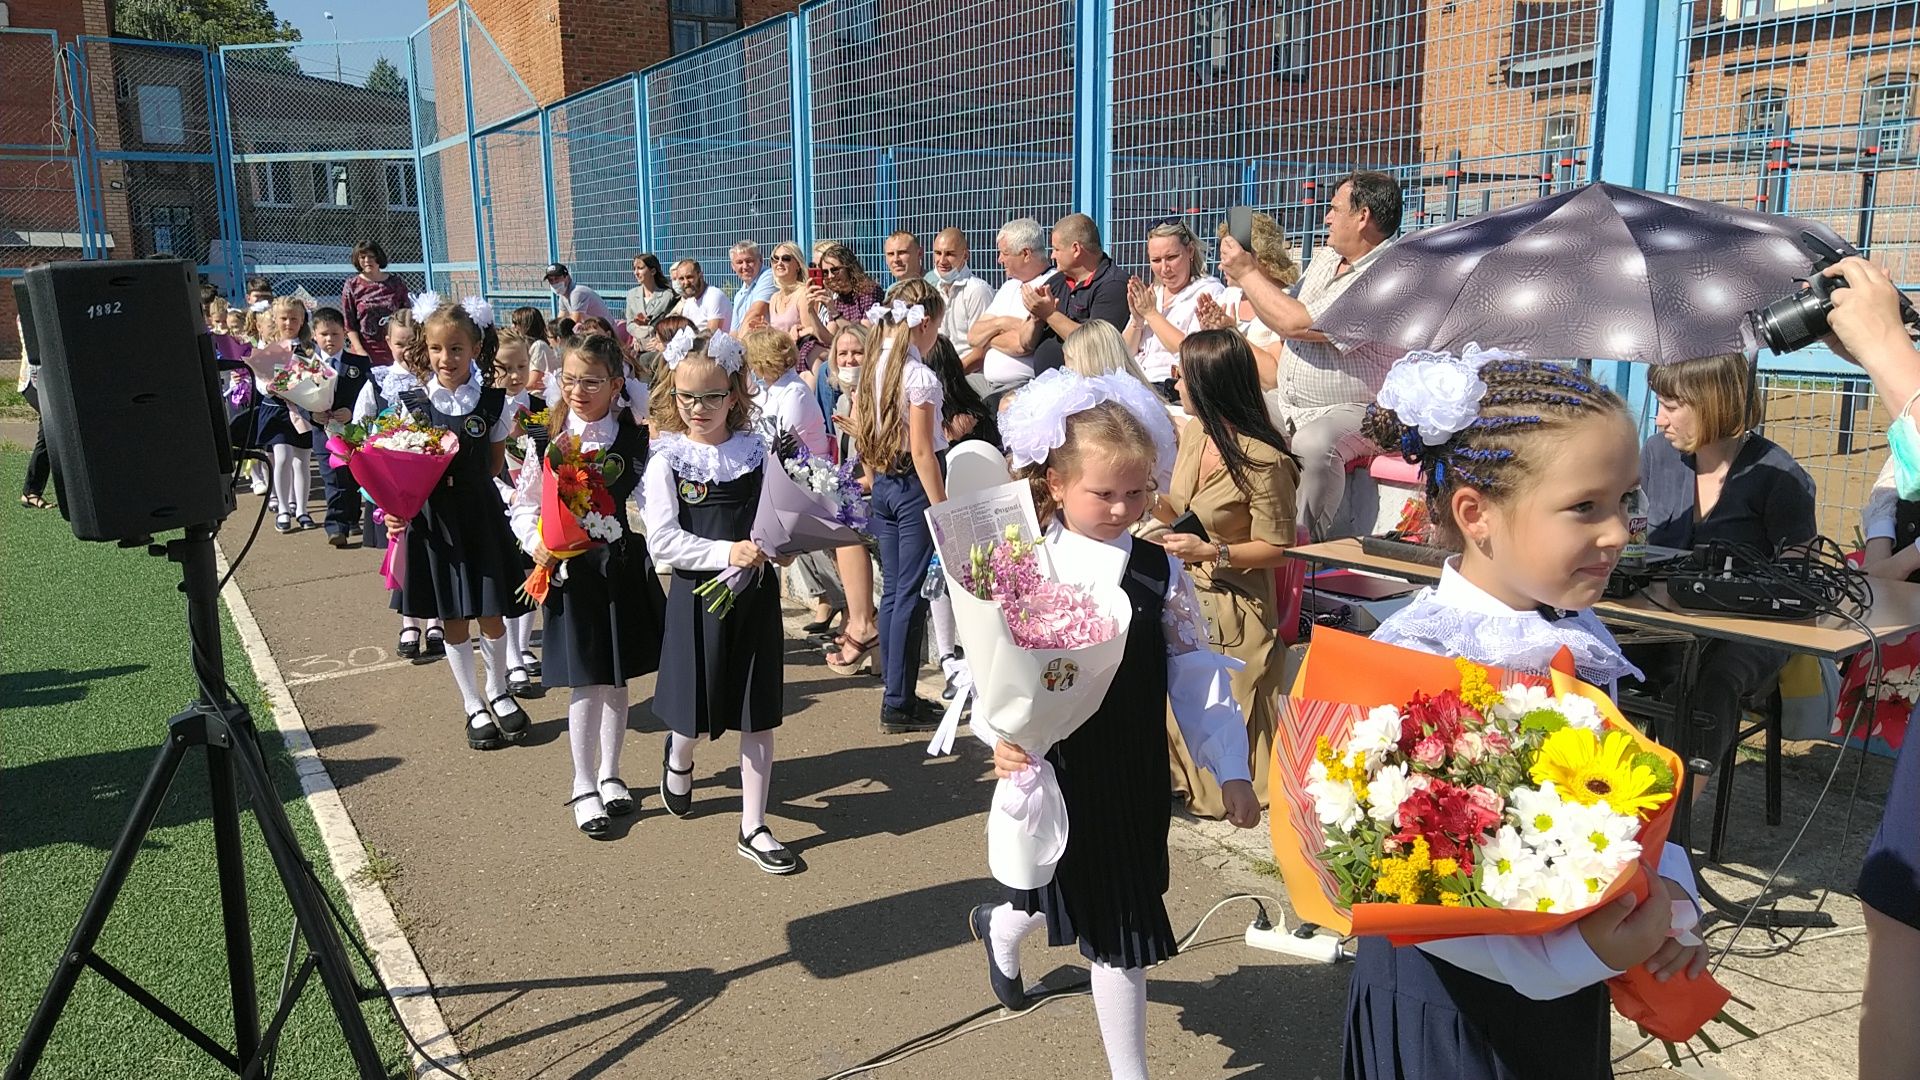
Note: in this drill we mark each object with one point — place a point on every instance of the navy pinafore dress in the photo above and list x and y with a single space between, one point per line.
1117 781
718 674
461 560
603 623
1890 875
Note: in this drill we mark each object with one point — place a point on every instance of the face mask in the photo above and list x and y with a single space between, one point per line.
944 277
850 376
1905 440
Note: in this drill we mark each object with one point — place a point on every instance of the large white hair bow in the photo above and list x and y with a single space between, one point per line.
1437 393
1035 425
901 312
476 307
678 348
722 348
480 311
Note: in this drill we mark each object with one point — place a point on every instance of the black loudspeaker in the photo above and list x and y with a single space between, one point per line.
23 303
129 397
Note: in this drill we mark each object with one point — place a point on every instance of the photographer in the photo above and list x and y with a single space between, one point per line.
1867 330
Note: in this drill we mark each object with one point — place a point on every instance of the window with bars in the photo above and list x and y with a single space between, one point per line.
1763 112
1543 28
172 231
1886 114
1559 135
272 180
402 194
696 22
1387 41
330 187
1212 42
1292 34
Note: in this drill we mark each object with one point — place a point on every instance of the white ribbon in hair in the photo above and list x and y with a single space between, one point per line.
1035 425
425 305
678 348
901 311
478 308
1437 393
725 349
259 306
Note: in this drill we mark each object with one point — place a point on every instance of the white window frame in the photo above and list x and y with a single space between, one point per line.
1212 41
162 112
332 186
1775 99
1547 128
1292 39
272 180
1877 123
403 191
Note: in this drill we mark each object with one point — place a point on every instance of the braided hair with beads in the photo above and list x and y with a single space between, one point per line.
1527 407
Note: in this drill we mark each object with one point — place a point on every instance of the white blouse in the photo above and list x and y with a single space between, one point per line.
673 458
918 386
1199 678
387 382
523 508
1182 310
788 405
1458 618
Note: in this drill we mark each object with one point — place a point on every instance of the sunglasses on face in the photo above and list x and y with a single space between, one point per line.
785 258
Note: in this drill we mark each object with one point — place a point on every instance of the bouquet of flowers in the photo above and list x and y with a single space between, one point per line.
397 461
306 382
791 519
835 484
1044 626
577 513
1422 797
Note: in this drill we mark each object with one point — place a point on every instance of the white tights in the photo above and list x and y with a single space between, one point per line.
756 779
290 477
596 728
1119 994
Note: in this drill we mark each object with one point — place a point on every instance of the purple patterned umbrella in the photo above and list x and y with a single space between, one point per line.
1599 272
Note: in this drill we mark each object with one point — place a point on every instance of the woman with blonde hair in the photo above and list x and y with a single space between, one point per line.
1097 349
781 311
1168 310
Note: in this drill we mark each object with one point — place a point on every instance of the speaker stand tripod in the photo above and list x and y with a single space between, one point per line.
224 729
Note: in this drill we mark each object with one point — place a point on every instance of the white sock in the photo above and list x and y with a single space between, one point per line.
583 725
943 630
681 758
519 633
1007 927
756 778
613 729
437 623
460 661
490 651
1120 1001
408 622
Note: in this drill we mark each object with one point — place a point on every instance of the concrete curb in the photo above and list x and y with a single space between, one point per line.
393 954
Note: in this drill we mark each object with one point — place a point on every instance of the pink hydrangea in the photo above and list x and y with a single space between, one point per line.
1041 613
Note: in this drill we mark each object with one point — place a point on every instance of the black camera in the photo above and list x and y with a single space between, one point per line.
1792 323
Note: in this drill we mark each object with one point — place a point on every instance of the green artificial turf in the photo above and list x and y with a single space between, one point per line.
93 662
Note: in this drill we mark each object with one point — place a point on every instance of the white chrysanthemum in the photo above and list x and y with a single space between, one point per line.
1386 790
1375 735
1509 866
1538 812
1519 700
1555 890
602 527
1580 713
1597 843
1333 802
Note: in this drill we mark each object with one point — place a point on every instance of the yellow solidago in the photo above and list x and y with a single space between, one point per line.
1475 688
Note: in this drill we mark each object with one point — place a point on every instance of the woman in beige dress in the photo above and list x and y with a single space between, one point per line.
1234 473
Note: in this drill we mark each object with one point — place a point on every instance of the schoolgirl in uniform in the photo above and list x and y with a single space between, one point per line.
421 640
278 429
461 562
1095 450
512 367
701 492
1531 485
603 622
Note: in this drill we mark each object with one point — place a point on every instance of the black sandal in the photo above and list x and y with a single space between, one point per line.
513 726
777 861
678 805
517 680
486 736
621 804
408 649
531 663
35 502
596 827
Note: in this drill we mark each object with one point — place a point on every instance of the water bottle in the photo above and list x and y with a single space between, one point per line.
934 585
1637 527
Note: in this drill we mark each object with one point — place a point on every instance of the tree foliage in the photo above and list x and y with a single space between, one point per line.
385 78
202 22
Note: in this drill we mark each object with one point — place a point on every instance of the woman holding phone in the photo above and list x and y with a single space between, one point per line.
838 294
1233 475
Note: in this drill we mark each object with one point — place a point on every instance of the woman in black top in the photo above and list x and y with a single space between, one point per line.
1708 476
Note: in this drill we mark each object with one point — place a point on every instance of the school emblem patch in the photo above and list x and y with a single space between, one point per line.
353 372
692 493
612 468
1059 675
476 426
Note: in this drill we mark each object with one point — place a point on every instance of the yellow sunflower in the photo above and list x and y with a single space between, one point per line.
1587 770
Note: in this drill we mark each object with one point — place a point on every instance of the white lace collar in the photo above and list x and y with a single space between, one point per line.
460 400
395 378
1458 618
706 464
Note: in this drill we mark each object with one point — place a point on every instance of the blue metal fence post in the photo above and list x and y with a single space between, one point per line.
419 161
643 155
546 184
1092 109
800 74
227 195
886 193
1642 44
473 156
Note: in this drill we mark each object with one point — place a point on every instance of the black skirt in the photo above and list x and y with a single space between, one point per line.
461 561
718 674
603 624
1411 1016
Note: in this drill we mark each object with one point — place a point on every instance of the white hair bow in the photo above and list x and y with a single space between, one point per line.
259 306
678 348
900 311
425 305
478 308
1437 393
725 349
1035 425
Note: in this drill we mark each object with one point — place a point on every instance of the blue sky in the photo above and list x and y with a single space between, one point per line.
356 20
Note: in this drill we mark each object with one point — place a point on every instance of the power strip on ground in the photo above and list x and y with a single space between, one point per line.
1304 942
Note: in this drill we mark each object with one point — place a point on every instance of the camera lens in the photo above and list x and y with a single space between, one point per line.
1791 323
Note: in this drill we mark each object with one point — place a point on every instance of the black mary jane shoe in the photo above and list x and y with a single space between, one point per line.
678 805
620 805
305 521
531 663
1010 993
433 647
486 736
409 647
596 827
517 681
513 726
777 861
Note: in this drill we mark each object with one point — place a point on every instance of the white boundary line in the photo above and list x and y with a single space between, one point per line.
393 954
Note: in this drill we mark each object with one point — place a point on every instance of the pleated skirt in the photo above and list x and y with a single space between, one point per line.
603 625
